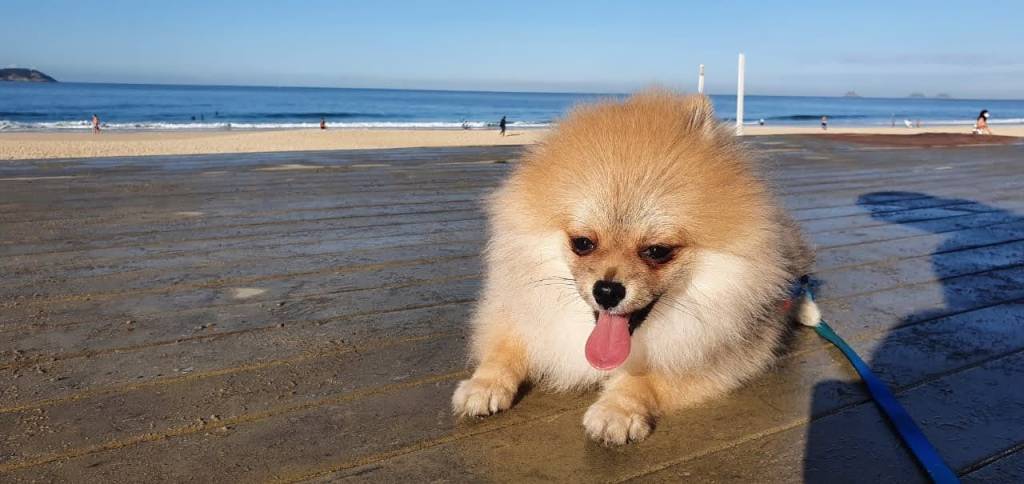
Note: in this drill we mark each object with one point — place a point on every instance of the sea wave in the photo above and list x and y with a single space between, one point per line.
8 125
813 117
971 121
82 125
315 115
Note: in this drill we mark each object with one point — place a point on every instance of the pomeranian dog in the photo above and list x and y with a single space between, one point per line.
636 248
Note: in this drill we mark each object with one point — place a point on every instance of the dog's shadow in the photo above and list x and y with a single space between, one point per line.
845 444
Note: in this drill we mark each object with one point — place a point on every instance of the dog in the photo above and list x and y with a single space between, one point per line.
636 248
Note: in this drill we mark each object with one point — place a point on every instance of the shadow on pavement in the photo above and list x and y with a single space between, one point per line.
852 447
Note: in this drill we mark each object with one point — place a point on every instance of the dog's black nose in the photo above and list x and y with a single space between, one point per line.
608 294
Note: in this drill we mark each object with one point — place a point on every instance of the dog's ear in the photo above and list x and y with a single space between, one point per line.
699 114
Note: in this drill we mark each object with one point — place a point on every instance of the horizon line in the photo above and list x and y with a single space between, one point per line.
499 91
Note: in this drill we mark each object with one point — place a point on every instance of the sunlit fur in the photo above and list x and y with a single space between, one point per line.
655 169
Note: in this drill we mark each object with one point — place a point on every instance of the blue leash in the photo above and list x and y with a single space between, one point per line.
911 434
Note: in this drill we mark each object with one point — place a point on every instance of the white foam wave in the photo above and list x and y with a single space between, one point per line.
84 125
970 122
7 125
899 122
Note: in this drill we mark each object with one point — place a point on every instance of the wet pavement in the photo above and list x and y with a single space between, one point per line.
301 317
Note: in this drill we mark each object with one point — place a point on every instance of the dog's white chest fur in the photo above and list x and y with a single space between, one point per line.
554 321
556 339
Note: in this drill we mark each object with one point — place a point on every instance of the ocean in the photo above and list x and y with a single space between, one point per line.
69 106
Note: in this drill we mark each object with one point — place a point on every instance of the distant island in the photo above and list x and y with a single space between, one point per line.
851 94
916 94
17 74
943 95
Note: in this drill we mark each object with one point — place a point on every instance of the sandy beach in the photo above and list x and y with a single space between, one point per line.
47 145
52 145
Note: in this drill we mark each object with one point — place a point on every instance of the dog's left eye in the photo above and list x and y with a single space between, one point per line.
657 253
582 245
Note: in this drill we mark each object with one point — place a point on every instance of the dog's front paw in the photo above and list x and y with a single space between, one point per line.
478 397
612 424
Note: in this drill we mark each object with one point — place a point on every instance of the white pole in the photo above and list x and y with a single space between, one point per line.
700 80
739 97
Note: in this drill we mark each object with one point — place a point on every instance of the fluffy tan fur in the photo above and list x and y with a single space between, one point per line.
654 170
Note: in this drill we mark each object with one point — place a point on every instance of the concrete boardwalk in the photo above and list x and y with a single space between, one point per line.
300 316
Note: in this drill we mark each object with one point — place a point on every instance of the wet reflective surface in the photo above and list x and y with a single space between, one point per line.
297 316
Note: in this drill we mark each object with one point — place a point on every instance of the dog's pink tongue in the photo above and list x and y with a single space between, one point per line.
608 344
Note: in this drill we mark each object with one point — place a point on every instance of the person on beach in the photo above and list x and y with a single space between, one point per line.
503 124
760 122
323 123
824 123
981 125
95 123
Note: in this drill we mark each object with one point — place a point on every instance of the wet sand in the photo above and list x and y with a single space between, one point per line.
302 317
922 140
1016 130
52 145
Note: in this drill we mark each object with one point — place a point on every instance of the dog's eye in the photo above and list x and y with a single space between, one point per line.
582 245
658 254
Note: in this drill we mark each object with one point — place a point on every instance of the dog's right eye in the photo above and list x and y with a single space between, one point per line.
658 254
582 245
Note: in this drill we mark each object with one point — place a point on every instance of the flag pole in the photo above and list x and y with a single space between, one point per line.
739 95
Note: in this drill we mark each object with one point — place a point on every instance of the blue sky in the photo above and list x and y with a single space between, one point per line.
967 49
